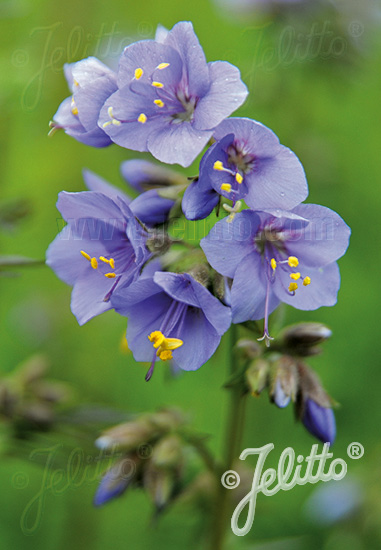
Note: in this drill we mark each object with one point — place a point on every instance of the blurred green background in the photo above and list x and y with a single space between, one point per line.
322 98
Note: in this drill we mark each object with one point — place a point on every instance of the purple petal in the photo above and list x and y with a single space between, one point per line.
227 244
151 208
127 106
147 55
227 92
319 421
90 98
324 240
198 202
87 298
200 341
177 143
183 39
218 315
113 484
322 291
143 175
96 183
249 288
178 286
91 205
88 69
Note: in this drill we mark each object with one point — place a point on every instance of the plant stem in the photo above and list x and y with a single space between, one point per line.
234 430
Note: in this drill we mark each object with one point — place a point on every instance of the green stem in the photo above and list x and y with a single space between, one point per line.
234 431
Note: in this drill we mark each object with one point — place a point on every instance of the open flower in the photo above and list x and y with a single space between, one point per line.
279 256
102 246
91 83
172 316
247 162
169 98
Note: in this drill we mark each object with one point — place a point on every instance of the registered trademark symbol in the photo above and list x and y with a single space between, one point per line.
355 450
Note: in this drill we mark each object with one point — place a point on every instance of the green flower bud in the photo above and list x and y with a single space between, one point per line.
257 376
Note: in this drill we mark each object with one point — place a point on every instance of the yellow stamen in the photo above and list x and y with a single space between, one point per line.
218 165
112 263
138 73
113 119
94 263
103 259
292 287
156 84
293 261
85 255
75 83
306 281
295 276
164 345
157 338
166 355
142 118
162 66
110 275
226 187
159 103
273 263
74 108
238 178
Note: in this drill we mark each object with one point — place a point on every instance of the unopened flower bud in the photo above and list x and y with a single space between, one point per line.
127 436
168 419
116 480
249 349
319 421
302 339
257 376
200 273
159 242
160 483
284 381
168 452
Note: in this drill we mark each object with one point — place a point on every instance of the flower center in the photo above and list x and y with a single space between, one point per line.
163 345
239 158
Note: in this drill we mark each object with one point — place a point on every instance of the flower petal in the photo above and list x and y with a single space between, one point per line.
227 244
227 92
99 185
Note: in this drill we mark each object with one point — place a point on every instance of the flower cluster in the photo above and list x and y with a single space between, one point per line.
117 252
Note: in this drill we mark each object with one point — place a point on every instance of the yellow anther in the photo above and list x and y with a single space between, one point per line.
218 165
162 66
295 276
85 255
164 345
292 287
226 187
157 338
156 84
74 108
138 73
166 355
238 178
94 263
112 263
113 119
142 118
306 281
293 261
103 259
159 103
110 275
75 83
273 263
